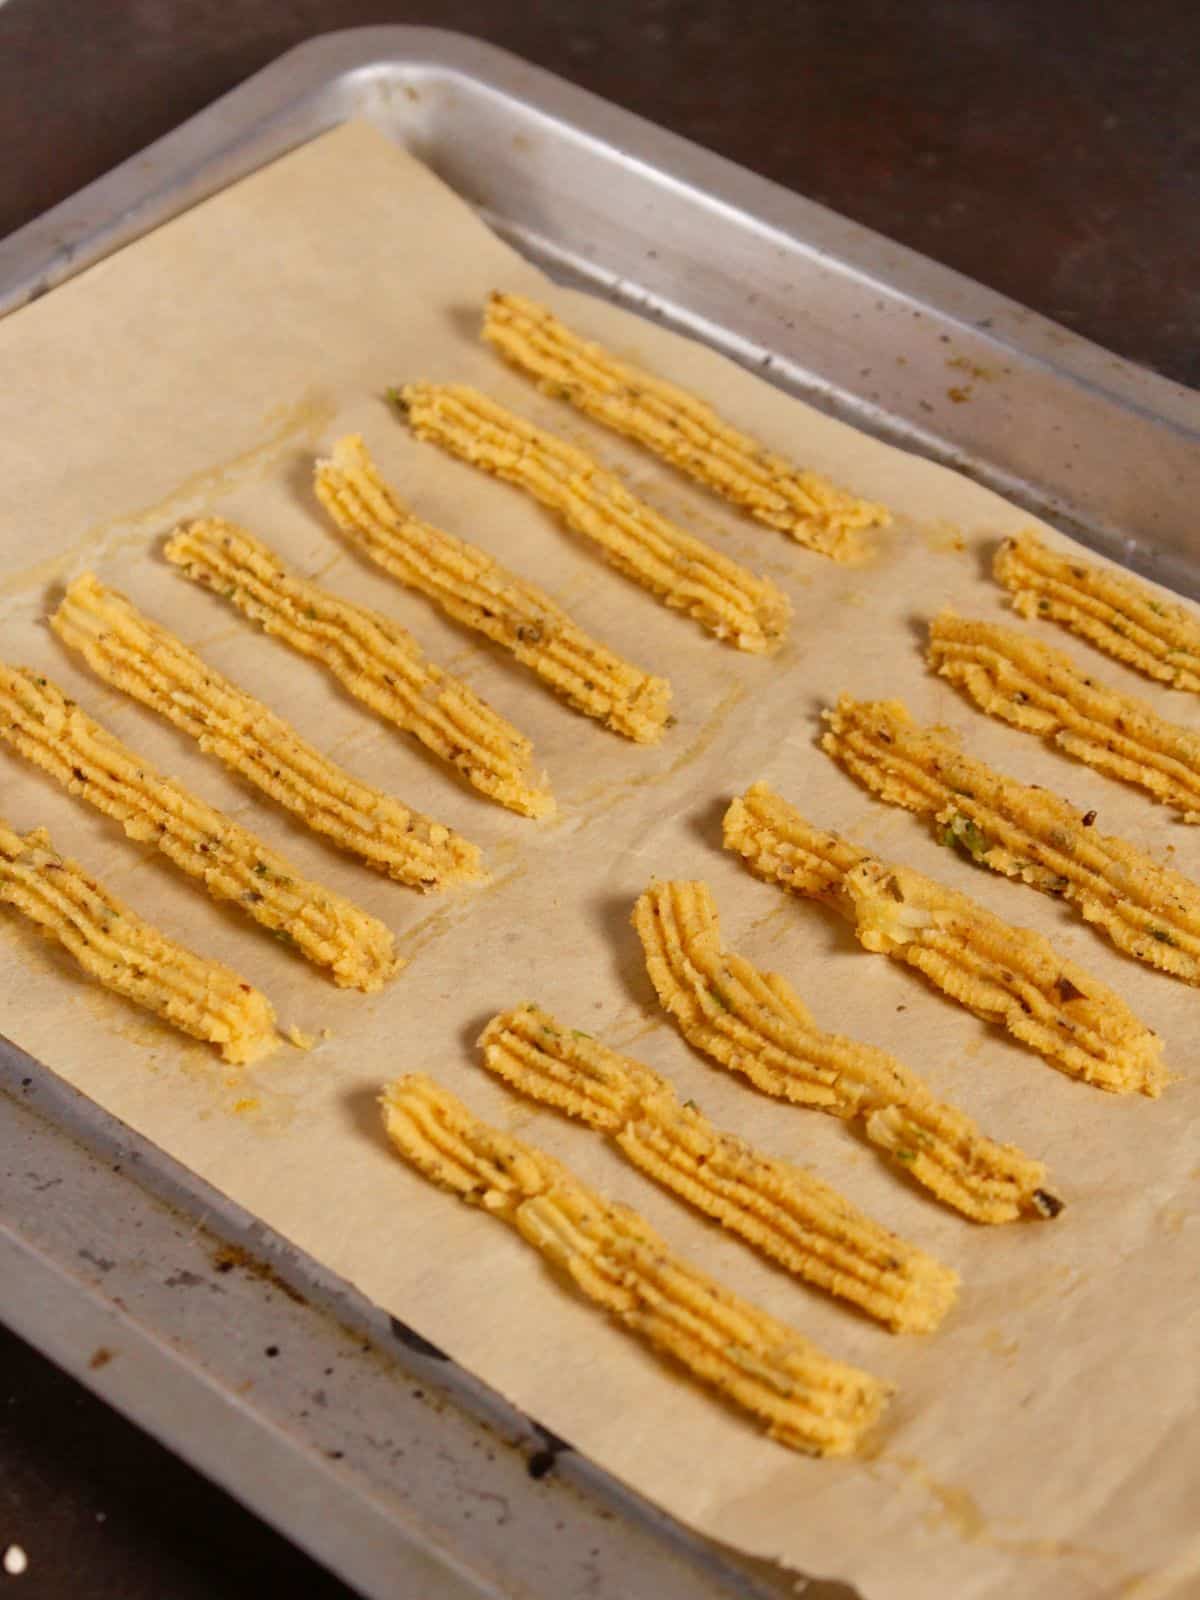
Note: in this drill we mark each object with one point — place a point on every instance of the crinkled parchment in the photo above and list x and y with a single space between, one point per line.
1044 1443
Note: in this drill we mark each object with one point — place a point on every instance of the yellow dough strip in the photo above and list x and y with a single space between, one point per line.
754 1023
1022 831
373 658
611 1256
113 945
474 589
678 569
680 429
1005 974
1014 678
1126 619
39 722
134 654
781 1210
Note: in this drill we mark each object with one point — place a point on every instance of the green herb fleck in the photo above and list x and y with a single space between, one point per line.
260 869
579 1034
1163 936
960 833
906 1156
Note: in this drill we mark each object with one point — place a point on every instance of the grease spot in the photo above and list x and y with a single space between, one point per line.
284 426
972 368
600 799
997 1343
943 538
422 935
1171 1219
954 1508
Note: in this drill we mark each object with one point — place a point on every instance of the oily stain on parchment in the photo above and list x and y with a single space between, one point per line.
219 635
1173 1219
939 535
265 1094
780 920
955 1509
600 799
423 935
284 426
167 1052
1178 1580
999 1344
245 1092
943 538
638 1025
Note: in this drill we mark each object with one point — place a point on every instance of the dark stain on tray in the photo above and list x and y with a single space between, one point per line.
228 1256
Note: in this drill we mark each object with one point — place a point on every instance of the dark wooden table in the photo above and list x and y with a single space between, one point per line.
1049 148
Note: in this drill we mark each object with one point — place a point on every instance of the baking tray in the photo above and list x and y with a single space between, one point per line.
331 1419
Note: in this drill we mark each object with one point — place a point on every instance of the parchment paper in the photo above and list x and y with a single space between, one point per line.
1044 1443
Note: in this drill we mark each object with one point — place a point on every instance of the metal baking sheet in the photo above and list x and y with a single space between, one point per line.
330 1419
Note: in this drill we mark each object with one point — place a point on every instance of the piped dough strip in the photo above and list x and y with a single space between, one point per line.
39 722
144 660
683 572
473 588
611 1256
781 1210
373 658
1112 610
130 957
1002 973
753 1023
1014 678
680 429
1022 831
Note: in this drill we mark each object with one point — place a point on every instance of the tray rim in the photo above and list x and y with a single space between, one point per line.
51 249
